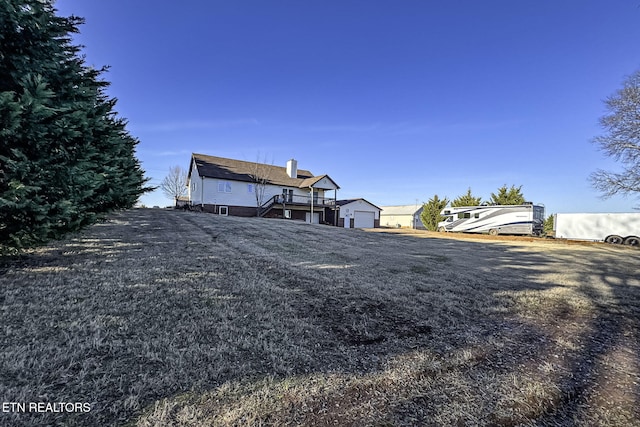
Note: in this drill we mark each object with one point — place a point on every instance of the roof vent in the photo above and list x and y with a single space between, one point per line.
292 168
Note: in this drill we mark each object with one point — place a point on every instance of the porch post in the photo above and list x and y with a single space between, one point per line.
335 208
311 219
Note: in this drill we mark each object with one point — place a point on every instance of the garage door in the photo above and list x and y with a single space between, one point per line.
362 219
316 217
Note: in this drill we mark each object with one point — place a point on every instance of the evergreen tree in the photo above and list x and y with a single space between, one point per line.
508 196
65 156
430 215
466 200
547 225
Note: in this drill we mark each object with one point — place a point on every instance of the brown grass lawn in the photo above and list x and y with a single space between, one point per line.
166 318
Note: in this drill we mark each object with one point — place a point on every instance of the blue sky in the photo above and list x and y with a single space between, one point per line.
395 100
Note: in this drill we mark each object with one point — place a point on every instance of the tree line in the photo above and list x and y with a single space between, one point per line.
431 209
66 158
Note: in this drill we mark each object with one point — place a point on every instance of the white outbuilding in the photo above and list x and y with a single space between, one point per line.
358 213
405 216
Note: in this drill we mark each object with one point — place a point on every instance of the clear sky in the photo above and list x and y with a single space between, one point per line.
395 100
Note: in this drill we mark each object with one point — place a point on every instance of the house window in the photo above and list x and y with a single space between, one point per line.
224 187
193 186
250 188
223 210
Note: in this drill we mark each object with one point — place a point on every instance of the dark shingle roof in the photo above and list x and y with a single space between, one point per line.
239 170
347 201
344 201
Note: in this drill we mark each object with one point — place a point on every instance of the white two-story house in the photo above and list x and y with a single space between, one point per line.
239 188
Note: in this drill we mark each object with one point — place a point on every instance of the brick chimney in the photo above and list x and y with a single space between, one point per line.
292 168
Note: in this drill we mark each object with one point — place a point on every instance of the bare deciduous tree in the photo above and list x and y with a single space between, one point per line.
174 184
260 177
621 140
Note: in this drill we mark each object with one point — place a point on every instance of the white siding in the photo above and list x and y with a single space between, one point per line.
316 217
239 194
358 205
325 183
395 220
299 192
195 186
404 216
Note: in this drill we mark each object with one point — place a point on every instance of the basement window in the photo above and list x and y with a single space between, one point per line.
223 210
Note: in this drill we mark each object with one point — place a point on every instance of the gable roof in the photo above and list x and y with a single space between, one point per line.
311 181
240 170
347 201
402 209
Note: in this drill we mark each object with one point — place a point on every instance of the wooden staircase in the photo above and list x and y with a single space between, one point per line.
268 205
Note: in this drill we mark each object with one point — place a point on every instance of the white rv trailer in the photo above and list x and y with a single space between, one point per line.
602 227
494 219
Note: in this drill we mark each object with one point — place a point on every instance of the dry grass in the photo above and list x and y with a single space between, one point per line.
169 318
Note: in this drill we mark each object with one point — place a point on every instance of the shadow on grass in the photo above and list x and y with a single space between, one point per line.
194 319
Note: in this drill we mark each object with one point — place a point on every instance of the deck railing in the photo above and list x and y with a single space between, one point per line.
295 200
